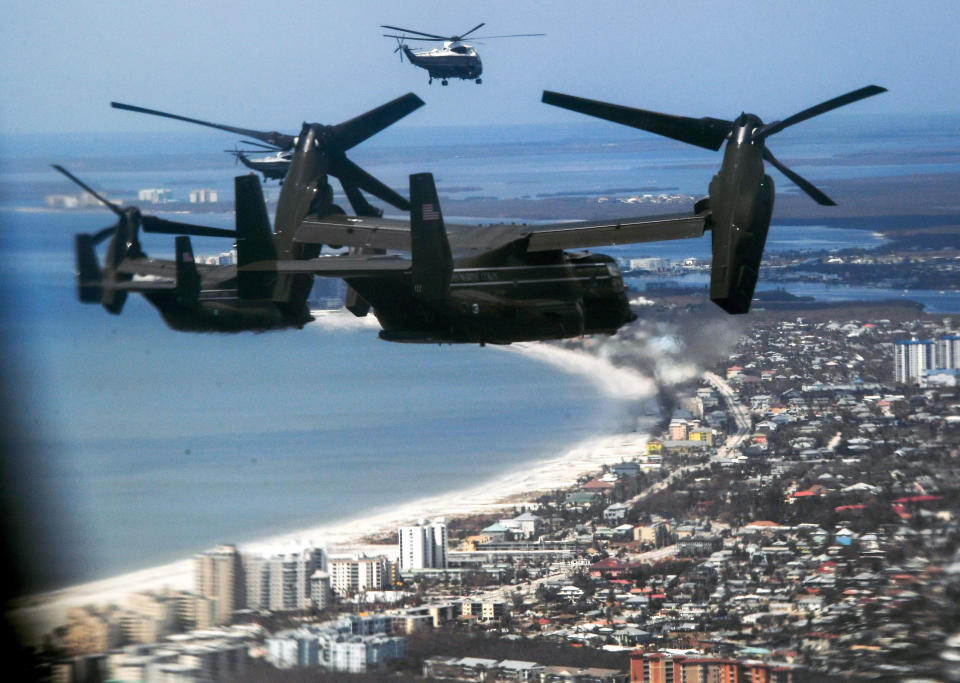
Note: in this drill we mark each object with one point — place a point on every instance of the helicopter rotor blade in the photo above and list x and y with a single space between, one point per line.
512 35
356 130
351 174
464 35
116 209
279 140
704 132
419 33
822 108
435 40
798 180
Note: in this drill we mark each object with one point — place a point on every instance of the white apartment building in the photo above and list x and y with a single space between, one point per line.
423 546
911 358
358 574
281 581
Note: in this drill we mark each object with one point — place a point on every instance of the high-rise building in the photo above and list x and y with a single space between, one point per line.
320 589
423 546
914 357
281 581
218 574
911 358
358 574
947 353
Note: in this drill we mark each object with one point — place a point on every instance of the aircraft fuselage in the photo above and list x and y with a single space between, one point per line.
552 295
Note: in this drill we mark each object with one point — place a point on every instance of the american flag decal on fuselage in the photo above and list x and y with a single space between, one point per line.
430 213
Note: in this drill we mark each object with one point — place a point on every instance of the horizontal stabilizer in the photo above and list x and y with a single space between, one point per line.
137 286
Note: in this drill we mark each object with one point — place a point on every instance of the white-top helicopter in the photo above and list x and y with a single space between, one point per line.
455 59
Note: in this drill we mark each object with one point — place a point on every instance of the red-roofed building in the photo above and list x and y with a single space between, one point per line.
900 511
918 499
597 486
850 508
611 568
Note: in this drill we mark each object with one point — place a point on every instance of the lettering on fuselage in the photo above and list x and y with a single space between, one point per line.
472 276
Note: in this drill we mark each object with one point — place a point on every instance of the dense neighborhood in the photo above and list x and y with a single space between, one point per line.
794 519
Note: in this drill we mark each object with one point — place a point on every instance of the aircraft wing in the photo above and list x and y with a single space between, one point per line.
335 266
394 235
209 273
621 231
350 231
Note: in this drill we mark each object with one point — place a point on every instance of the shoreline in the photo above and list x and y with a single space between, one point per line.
34 615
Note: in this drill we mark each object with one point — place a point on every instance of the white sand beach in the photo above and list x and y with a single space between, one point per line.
38 614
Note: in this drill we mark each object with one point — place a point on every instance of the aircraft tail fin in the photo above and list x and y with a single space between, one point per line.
429 248
188 279
254 238
89 278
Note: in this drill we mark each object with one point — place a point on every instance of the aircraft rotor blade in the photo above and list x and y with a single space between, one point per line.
512 35
162 226
361 207
804 184
435 40
350 133
279 140
464 35
419 33
116 209
822 108
351 174
101 235
272 148
704 132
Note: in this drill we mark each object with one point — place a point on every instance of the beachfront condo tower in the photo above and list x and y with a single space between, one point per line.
423 546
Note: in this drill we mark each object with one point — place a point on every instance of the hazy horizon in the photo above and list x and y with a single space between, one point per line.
233 62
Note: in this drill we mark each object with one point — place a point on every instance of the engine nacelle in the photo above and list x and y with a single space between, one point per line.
739 235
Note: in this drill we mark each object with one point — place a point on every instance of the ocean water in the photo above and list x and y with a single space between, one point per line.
136 444
132 445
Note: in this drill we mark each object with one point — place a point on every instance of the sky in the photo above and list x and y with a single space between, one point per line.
272 65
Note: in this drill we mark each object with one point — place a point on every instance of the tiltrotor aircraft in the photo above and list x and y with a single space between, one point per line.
455 59
199 297
740 203
335 140
469 284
